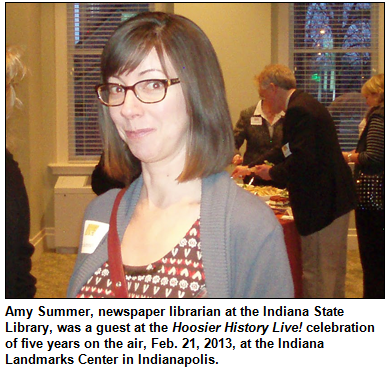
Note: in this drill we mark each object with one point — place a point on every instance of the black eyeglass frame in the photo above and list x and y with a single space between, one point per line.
166 82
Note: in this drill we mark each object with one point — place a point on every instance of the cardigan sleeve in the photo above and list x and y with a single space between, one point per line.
86 263
261 264
375 143
244 253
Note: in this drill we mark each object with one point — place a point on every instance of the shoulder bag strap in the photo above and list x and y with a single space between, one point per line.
119 284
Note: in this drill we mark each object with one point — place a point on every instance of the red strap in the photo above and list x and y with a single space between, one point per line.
119 284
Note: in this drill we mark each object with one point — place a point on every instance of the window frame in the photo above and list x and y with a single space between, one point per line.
65 163
284 50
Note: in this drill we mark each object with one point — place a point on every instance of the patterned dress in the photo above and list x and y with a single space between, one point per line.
179 274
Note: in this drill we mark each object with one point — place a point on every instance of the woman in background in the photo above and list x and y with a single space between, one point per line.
19 283
262 130
183 228
369 159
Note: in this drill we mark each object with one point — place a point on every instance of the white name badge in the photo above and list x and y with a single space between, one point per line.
256 120
94 231
286 150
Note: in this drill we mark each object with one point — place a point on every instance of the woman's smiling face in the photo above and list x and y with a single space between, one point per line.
154 132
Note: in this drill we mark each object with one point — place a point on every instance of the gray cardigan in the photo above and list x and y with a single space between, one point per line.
242 243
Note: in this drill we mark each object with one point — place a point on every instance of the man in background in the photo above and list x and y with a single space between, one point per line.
318 179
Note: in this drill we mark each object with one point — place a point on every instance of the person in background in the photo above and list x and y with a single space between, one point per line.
369 160
101 182
262 130
19 283
183 228
319 182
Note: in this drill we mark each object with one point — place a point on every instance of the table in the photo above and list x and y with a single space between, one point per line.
293 247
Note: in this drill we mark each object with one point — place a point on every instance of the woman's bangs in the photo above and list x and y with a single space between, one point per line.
130 53
129 61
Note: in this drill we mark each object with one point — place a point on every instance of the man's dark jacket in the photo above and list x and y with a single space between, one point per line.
319 181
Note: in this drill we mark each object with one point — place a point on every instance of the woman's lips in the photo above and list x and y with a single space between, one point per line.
140 133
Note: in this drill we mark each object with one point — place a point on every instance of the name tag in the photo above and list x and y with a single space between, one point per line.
94 232
286 150
256 120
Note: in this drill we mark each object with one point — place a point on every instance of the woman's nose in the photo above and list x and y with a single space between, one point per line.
131 106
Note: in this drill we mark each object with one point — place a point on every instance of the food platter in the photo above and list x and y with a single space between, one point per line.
280 202
265 192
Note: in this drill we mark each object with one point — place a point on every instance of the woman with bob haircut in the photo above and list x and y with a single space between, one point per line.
369 174
181 228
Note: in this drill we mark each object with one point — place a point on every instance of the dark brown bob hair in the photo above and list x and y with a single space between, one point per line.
210 145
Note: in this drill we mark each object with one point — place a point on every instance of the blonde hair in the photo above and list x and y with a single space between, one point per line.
14 72
280 75
375 85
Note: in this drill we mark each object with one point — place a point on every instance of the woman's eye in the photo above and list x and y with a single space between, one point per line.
154 85
115 89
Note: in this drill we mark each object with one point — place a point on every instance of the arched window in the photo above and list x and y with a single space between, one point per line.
335 50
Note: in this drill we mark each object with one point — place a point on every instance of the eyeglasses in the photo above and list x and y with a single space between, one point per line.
147 91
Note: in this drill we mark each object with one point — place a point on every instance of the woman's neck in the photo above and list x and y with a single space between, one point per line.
161 188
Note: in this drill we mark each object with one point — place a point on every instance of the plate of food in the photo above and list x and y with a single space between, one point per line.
266 192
